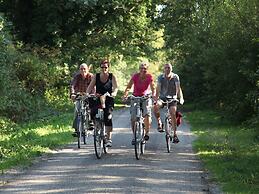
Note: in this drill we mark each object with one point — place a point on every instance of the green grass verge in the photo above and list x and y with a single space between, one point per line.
229 151
20 144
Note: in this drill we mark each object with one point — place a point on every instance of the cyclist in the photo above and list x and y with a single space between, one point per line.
143 83
168 85
105 82
79 84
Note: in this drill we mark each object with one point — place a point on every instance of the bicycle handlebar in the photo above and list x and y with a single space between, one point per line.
108 94
145 97
170 99
84 96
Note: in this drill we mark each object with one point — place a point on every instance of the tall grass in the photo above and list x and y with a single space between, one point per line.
21 144
229 151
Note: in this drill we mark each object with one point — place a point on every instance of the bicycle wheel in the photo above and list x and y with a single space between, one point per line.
79 131
98 140
138 133
104 137
167 135
84 127
143 142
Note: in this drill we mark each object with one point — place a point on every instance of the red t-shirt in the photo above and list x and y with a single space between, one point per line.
141 87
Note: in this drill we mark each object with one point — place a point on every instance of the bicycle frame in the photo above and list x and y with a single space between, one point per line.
139 126
83 118
100 136
100 120
168 122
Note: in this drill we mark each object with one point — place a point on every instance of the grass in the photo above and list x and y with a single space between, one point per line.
20 144
229 151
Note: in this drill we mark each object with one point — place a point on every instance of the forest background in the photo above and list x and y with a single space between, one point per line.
213 46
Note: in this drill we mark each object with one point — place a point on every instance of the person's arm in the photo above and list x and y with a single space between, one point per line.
114 86
126 92
72 88
91 78
158 88
153 90
179 93
91 85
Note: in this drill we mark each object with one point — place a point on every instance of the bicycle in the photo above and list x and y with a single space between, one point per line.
83 118
168 123
100 137
139 128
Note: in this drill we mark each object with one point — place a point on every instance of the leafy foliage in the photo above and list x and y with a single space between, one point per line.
213 46
216 46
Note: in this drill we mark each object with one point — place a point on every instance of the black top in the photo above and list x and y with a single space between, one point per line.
102 88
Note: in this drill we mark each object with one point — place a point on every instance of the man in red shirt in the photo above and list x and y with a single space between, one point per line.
80 81
79 84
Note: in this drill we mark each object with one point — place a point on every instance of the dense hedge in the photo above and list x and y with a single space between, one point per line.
216 45
26 79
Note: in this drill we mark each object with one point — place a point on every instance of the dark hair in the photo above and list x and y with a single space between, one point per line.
105 61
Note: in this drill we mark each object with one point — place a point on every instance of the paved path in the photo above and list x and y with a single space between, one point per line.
72 170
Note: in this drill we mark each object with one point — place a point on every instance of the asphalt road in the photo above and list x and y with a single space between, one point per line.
73 170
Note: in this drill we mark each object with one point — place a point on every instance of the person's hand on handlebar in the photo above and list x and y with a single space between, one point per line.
73 97
181 101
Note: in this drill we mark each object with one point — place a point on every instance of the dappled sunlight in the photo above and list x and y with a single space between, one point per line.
212 152
79 171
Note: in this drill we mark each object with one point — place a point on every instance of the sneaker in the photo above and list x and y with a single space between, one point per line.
160 128
133 142
146 137
109 143
175 139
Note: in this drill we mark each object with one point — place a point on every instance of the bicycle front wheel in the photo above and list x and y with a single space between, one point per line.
98 140
168 135
138 133
79 130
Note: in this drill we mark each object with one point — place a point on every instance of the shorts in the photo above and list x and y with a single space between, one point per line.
161 104
145 107
109 105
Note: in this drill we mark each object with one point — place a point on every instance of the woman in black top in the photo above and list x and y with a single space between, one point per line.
105 82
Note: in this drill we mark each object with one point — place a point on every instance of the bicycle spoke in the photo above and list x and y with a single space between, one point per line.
98 144
98 139
79 131
168 129
138 139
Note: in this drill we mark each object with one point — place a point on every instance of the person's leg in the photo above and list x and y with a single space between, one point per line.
146 107
108 125
76 106
173 120
108 129
147 123
157 116
133 119
109 132
173 117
